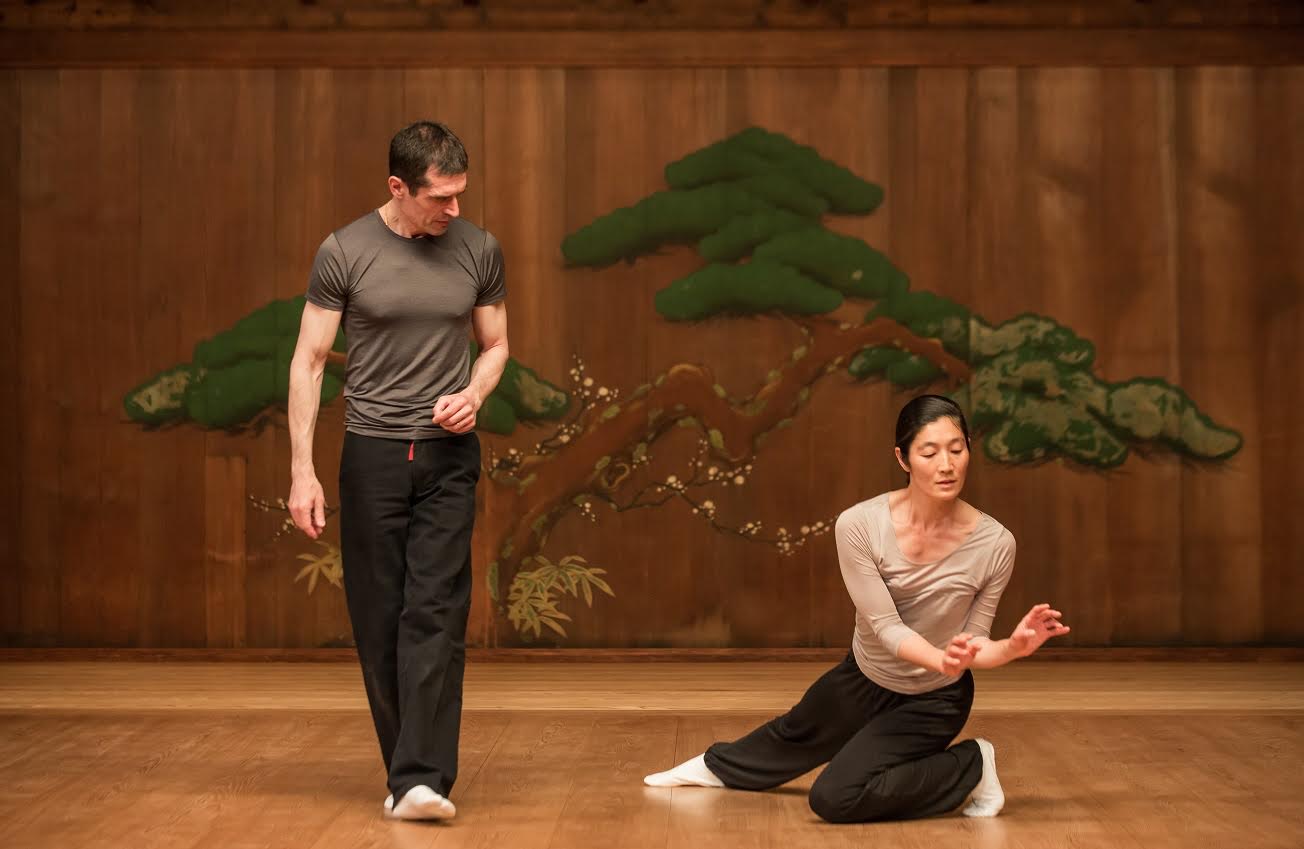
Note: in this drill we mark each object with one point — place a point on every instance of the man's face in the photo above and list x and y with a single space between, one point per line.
431 207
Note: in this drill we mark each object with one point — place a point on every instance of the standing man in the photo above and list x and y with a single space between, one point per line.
407 280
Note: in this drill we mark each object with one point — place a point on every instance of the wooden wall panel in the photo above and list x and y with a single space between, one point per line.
1065 212
1137 284
523 127
608 162
1278 270
39 362
11 432
368 110
170 601
845 413
1218 334
997 234
117 299
224 552
239 276
1152 210
304 182
692 108
77 338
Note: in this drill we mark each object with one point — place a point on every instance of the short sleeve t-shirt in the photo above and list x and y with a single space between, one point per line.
407 310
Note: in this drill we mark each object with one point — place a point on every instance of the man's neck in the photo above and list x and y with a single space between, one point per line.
393 220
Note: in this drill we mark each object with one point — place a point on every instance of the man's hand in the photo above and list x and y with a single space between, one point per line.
308 506
456 413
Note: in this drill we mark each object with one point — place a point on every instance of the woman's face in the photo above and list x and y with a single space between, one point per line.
938 460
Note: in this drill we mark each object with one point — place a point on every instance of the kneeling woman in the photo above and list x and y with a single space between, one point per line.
925 570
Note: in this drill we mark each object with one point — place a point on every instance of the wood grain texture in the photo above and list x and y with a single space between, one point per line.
458 16
1032 686
288 757
398 48
1153 210
11 429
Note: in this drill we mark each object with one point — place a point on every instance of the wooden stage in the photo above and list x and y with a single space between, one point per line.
139 755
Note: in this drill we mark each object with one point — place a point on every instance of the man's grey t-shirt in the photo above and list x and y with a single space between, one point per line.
407 307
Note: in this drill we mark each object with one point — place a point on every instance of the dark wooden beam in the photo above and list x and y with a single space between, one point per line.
957 47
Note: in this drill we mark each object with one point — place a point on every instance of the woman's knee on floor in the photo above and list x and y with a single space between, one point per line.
839 802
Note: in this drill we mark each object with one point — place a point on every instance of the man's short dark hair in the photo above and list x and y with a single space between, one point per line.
418 146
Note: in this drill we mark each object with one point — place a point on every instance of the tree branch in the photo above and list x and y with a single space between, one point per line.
546 486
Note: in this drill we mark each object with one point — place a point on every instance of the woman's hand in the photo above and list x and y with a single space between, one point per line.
958 655
1039 625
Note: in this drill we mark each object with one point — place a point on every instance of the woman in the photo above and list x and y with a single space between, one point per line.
925 570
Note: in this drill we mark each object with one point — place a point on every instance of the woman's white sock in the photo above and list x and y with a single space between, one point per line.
690 773
988 798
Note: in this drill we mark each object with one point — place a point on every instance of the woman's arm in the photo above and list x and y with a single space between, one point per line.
991 653
859 564
958 655
1034 629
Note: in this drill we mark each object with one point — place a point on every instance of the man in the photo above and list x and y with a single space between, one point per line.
406 280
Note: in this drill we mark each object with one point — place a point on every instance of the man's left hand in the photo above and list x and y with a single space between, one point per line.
456 413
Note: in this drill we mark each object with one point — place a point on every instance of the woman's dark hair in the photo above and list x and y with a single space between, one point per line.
418 146
920 412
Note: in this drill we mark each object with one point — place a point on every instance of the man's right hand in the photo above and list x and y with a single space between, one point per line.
308 506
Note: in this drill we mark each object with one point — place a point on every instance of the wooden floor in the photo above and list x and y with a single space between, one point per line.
1196 755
